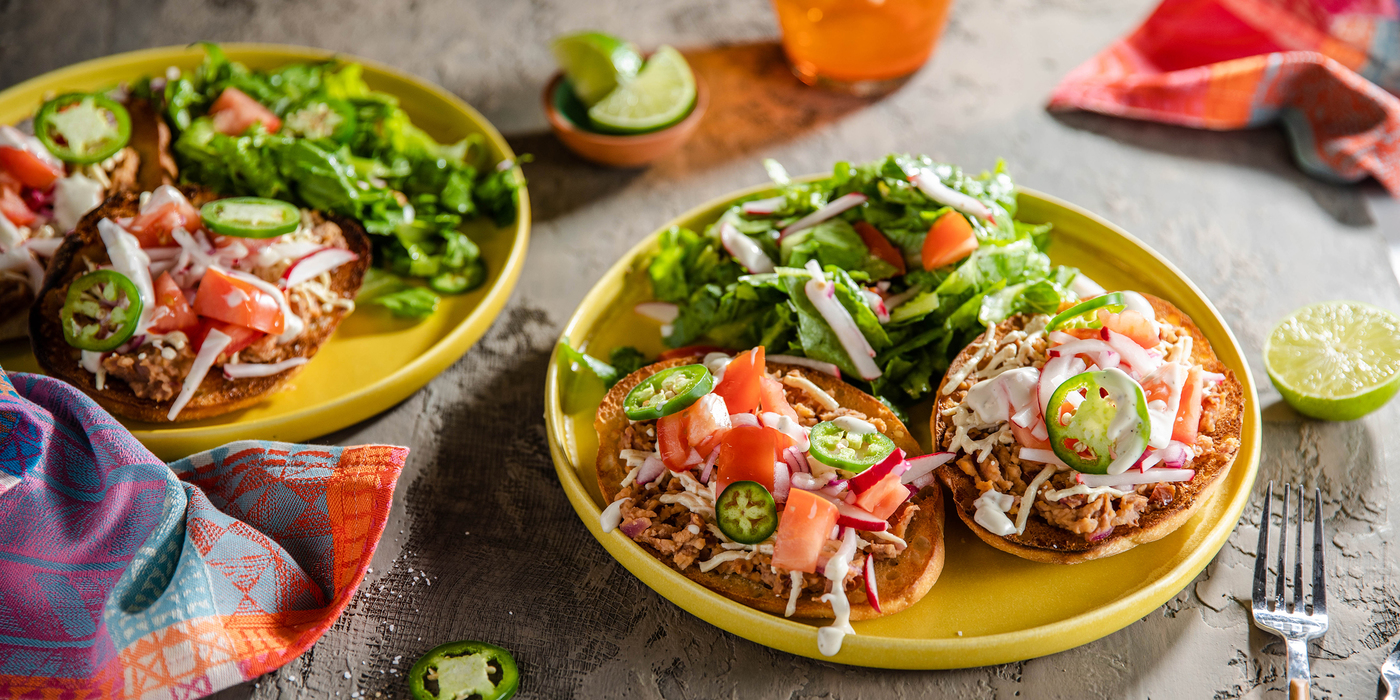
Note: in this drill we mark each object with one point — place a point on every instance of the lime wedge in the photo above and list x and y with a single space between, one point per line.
595 63
1337 360
661 95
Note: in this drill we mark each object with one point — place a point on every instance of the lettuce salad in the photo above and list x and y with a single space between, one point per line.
344 148
915 322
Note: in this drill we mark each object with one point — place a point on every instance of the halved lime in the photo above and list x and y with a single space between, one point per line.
1337 360
595 63
661 95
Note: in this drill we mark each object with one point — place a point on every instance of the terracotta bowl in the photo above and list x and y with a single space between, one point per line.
622 151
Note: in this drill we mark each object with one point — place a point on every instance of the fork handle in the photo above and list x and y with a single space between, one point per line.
1299 679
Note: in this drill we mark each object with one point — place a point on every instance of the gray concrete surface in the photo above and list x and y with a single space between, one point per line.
482 543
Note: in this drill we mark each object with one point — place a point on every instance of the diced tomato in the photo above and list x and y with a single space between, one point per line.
670 441
949 240
1188 413
234 112
12 206
239 336
746 454
880 246
706 421
28 168
1026 436
173 312
689 350
804 527
884 498
772 398
230 299
741 386
1132 324
1084 333
154 228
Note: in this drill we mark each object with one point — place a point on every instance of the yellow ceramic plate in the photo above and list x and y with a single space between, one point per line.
988 607
374 360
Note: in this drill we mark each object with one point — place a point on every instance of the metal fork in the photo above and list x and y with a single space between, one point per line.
1290 619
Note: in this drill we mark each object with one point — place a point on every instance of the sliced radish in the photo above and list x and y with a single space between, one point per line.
920 482
836 206
931 185
895 301
1042 456
877 305
659 311
871 593
1135 478
853 516
1132 354
809 363
782 481
823 296
762 207
244 371
892 464
744 250
311 266
924 465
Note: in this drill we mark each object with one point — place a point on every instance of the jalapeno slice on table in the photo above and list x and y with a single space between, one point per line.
468 669
668 391
1098 422
100 311
82 128
746 512
1085 313
847 450
250 217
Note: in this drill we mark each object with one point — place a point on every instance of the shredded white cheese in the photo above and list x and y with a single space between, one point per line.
1028 498
812 390
1082 490
796 578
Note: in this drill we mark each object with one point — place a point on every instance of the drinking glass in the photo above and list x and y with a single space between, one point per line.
859 46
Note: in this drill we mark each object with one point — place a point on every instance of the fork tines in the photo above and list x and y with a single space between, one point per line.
1278 602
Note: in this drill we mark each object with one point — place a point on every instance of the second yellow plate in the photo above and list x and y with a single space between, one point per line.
374 360
988 607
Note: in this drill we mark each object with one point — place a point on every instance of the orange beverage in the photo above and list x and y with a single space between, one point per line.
861 45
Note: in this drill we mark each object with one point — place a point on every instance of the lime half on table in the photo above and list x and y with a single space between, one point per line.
1337 360
595 63
661 95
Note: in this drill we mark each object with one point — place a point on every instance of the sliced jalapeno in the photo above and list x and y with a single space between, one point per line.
1098 422
250 217
746 512
100 311
667 392
459 670
82 128
850 451
322 118
1085 313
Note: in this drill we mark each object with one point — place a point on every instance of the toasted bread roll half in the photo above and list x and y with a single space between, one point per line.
903 574
1080 528
142 382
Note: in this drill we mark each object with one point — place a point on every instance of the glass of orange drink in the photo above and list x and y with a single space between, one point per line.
859 46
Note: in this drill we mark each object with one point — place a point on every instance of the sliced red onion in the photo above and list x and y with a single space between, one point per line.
782 481
1133 355
244 371
659 311
872 594
214 343
1176 455
1060 338
796 464
744 250
877 305
763 207
651 469
311 266
1053 374
805 481
920 482
127 258
924 465
931 185
1135 478
45 247
823 296
1213 377
738 419
709 466
1030 454
833 489
836 206
633 528
892 464
164 252
809 363
1101 352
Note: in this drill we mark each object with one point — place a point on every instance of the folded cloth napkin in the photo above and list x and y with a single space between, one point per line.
123 577
1317 66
